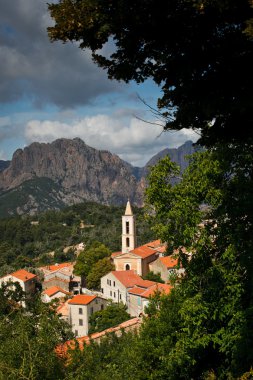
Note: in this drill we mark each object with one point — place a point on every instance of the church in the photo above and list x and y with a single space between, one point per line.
131 257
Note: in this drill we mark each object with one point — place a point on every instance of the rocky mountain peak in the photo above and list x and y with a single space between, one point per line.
71 171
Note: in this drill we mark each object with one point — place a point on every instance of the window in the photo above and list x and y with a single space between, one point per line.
114 295
120 296
113 283
102 307
110 293
80 322
127 242
102 290
127 267
127 227
91 310
80 310
109 282
76 332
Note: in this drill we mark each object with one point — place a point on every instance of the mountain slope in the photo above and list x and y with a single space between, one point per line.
65 172
77 168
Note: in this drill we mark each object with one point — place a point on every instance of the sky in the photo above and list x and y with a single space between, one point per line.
54 90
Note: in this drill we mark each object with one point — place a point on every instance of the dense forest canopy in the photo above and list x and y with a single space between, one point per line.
25 241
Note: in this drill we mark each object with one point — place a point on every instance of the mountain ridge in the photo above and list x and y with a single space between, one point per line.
78 171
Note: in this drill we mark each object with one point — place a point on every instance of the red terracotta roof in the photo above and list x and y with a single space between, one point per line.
146 293
82 299
62 349
136 290
149 249
154 243
163 288
23 275
53 290
161 249
143 251
115 254
129 278
63 309
169 261
52 268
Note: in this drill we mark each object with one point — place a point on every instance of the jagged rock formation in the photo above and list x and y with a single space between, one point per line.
43 176
177 155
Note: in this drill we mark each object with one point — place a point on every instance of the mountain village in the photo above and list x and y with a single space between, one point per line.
125 284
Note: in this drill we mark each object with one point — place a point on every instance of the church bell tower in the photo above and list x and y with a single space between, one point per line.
128 230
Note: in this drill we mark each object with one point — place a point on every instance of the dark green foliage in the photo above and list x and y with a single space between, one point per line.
89 257
17 198
24 244
197 51
28 339
98 270
114 358
215 332
111 316
151 276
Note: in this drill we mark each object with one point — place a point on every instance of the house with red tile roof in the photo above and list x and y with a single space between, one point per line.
26 280
115 285
54 292
80 308
61 275
165 266
139 298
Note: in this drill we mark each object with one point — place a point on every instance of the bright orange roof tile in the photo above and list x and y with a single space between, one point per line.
154 243
163 288
169 261
82 299
115 254
129 279
53 290
52 268
149 249
136 290
23 275
63 309
143 251
146 293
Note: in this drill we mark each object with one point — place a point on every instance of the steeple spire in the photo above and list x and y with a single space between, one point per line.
128 209
128 230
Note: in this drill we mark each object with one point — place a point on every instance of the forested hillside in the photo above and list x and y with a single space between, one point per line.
25 241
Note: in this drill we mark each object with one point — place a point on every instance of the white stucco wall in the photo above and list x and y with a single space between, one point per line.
113 288
78 313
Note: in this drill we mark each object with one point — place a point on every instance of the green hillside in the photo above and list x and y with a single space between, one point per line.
26 240
37 194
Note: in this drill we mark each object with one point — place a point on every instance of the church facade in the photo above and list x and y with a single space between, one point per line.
132 257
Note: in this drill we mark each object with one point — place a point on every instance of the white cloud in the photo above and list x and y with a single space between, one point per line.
133 140
3 155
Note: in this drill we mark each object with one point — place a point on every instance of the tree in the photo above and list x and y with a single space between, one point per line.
151 276
211 214
111 316
99 269
198 51
28 340
90 256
